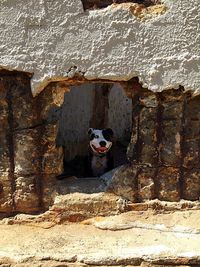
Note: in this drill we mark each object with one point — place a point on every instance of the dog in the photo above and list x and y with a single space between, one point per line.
100 158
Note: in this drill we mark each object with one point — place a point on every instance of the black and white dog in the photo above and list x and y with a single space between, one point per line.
100 157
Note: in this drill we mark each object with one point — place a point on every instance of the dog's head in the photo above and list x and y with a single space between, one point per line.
100 140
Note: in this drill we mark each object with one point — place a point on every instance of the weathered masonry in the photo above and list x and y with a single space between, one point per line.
148 50
163 152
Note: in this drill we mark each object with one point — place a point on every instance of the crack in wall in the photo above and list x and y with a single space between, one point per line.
29 128
159 127
136 124
10 140
39 177
182 149
158 142
97 4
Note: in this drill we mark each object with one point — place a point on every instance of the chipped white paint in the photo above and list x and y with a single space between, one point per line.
48 38
190 254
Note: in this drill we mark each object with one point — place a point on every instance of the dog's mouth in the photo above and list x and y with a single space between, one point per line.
101 149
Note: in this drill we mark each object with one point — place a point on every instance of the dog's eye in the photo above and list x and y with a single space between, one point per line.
107 137
92 136
96 136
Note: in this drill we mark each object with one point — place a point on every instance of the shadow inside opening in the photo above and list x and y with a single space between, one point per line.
98 106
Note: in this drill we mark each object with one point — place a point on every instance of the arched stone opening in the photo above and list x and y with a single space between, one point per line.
30 159
58 106
98 106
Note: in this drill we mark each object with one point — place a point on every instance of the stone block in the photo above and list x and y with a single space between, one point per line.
27 194
191 184
149 153
3 114
172 127
149 100
191 127
49 184
77 207
132 149
168 179
170 149
4 152
173 108
25 112
51 99
52 161
19 85
192 134
132 146
148 130
6 201
4 130
23 107
192 110
146 185
124 182
27 149
191 153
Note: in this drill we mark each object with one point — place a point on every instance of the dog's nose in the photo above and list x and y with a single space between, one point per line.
102 143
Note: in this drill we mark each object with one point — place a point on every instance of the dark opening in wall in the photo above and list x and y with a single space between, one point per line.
97 4
98 106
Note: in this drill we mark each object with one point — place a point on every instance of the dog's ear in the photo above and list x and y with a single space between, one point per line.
109 131
90 130
108 134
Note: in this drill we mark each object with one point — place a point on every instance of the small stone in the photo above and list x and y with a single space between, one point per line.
191 184
27 152
26 195
124 182
146 186
168 179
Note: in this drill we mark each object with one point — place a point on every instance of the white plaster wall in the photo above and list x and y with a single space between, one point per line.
47 38
120 113
76 113
74 120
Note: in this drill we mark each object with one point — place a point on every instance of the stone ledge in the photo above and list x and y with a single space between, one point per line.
173 243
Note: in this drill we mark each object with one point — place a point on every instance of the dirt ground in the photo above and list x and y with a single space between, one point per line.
134 238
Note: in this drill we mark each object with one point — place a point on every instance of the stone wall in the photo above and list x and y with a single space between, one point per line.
163 152
28 153
164 148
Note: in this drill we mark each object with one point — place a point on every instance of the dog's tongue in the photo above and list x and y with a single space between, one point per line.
102 149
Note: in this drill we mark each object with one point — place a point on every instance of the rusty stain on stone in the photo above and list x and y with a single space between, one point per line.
141 12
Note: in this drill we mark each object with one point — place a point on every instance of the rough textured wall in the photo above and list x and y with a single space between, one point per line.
50 38
74 121
164 149
29 157
120 113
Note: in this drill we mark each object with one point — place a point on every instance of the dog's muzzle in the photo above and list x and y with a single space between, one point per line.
101 149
